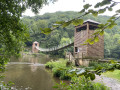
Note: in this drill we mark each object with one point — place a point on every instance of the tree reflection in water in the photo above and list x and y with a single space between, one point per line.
32 75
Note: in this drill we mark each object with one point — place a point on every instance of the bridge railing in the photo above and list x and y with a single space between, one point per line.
55 47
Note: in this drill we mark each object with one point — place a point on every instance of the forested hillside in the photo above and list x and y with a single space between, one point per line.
61 35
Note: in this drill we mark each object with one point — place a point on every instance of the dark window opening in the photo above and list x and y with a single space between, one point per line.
81 28
35 44
76 49
92 27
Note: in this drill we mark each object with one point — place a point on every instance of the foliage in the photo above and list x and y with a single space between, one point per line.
62 70
80 78
59 69
13 33
57 64
4 86
62 73
96 64
80 83
91 73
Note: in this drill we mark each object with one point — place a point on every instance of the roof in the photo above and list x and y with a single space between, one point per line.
92 21
35 42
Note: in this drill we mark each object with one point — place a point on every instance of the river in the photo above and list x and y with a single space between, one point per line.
29 73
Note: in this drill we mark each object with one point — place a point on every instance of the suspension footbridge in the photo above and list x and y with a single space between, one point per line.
55 48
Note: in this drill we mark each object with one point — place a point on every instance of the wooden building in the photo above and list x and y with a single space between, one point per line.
34 49
81 34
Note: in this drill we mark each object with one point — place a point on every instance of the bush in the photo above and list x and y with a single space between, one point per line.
81 83
49 65
62 73
56 64
59 69
96 64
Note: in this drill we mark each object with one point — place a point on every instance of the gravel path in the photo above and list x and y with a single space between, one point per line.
112 83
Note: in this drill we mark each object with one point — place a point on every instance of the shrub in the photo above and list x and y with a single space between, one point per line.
49 65
62 73
57 72
59 69
96 64
81 83
56 64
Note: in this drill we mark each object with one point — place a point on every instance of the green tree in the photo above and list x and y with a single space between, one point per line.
12 31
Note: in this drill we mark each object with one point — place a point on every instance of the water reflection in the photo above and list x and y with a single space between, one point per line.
30 73
31 59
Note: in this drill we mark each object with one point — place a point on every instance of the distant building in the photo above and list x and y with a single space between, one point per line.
35 44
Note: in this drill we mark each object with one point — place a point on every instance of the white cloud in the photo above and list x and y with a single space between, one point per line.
65 5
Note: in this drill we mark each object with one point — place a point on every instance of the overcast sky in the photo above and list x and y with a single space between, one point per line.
67 5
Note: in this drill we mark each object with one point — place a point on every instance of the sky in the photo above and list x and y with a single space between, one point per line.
66 5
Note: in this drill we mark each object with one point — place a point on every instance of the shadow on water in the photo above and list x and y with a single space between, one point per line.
29 72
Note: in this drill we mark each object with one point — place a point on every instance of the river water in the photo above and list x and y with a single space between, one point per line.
29 73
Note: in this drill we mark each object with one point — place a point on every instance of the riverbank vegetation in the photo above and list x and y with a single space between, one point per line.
59 69
94 65
81 83
63 71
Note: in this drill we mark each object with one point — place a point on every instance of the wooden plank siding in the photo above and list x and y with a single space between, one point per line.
80 36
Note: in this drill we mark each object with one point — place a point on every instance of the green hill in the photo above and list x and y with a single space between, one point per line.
60 35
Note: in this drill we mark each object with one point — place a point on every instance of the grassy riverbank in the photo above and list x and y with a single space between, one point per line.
63 68
115 74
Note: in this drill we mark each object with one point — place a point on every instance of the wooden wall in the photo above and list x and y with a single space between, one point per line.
88 51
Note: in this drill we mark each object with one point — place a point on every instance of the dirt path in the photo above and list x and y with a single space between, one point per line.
112 83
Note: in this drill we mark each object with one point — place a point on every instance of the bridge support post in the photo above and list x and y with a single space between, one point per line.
34 49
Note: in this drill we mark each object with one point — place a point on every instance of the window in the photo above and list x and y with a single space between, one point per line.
76 49
35 44
91 27
81 28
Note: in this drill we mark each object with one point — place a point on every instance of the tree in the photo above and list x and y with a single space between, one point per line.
12 32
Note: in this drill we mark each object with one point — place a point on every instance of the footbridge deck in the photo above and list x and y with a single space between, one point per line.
59 47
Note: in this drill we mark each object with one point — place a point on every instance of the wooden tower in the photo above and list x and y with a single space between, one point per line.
81 34
34 50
